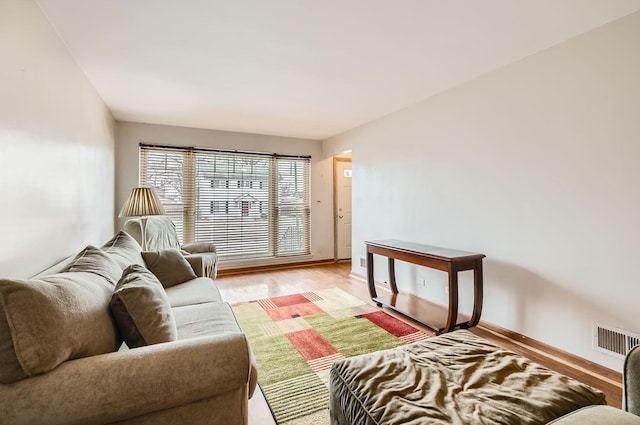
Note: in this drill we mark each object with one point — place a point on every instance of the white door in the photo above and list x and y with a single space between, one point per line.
343 208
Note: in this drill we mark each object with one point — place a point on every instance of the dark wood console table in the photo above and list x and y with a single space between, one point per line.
448 260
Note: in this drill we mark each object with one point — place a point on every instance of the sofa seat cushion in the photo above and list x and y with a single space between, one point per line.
194 291
46 321
141 309
211 318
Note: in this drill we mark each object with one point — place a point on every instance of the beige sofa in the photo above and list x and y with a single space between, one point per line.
605 415
61 360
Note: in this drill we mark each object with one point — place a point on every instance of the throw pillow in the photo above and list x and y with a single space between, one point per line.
96 261
46 321
124 249
169 266
141 309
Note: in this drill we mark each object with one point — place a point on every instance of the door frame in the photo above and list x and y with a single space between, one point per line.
337 159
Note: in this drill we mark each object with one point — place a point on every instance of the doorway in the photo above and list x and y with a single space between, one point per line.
342 178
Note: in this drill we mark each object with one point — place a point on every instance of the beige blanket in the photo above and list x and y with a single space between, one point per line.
456 378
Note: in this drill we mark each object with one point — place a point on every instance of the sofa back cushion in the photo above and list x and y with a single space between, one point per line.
124 249
55 268
46 321
96 261
141 309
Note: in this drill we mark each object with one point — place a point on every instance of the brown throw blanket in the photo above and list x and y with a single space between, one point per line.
456 378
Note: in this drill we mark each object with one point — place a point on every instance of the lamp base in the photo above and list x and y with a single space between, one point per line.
143 232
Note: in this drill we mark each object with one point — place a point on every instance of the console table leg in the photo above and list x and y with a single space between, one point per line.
477 294
392 276
370 281
452 317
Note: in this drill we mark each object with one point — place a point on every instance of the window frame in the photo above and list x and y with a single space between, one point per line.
286 208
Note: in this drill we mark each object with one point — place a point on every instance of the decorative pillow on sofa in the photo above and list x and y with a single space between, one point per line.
141 309
169 266
46 321
96 261
124 249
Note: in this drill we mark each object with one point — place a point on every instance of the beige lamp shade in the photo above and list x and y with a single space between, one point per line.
142 201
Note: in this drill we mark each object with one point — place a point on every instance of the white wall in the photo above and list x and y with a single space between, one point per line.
56 147
130 135
536 165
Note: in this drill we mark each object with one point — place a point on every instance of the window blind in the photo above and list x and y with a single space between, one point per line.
168 171
250 205
292 205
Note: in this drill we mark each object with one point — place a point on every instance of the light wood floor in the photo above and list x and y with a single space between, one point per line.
272 283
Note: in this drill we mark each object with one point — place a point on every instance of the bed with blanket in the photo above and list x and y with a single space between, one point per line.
455 378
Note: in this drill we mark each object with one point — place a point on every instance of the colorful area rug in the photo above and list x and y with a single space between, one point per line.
296 338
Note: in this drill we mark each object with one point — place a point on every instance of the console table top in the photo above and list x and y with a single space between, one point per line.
425 250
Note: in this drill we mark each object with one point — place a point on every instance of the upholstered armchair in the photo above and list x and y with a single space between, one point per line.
160 233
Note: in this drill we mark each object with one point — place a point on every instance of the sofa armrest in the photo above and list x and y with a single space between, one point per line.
597 415
631 381
204 264
198 247
126 384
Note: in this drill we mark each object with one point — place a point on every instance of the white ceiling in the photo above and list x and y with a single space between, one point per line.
302 68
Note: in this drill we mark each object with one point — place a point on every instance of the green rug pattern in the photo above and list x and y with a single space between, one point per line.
296 338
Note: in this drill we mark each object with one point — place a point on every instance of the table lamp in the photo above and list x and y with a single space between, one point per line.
142 202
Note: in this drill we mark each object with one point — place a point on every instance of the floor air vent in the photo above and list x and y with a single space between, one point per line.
614 341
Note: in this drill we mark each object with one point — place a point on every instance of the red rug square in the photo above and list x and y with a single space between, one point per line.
390 324
311 344
291 311
289 300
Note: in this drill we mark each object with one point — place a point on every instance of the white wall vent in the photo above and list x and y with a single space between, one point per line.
363 262
613 341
